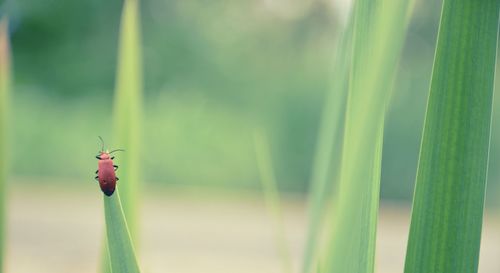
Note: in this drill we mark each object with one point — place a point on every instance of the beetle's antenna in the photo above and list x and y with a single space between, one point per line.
117 150
102 143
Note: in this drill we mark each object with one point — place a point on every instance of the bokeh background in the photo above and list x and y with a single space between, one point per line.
213 71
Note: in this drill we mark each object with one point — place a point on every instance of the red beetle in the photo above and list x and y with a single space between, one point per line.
106 171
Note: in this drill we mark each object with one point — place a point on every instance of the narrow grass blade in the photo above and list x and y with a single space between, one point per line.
326 156
4 103
270 187
445 230
378 34
127 118
120 248
128 110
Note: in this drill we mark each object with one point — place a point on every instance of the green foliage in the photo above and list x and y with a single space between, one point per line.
271 192
120 248
4 105
378 33
448 204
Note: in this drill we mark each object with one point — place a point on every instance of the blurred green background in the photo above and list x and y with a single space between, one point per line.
213 71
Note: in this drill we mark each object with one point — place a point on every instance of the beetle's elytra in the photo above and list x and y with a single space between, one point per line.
106 175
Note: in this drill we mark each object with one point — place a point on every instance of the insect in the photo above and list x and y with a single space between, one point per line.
106 175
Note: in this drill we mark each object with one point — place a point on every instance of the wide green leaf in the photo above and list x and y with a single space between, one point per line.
448 204
120 248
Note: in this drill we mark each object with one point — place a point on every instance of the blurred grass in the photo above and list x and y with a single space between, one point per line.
204 84
4 127
204 77
328 148
272 196
120 247
189 53
445 232
378 33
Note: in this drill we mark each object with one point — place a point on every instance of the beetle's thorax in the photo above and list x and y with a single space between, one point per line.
104 155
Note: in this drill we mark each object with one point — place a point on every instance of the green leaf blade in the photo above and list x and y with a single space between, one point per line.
448 204
120 248
328 151
127 116
128 110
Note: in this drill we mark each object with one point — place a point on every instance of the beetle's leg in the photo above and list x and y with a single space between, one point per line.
98 157
116 167
117 178
112 157
96 178
96 171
